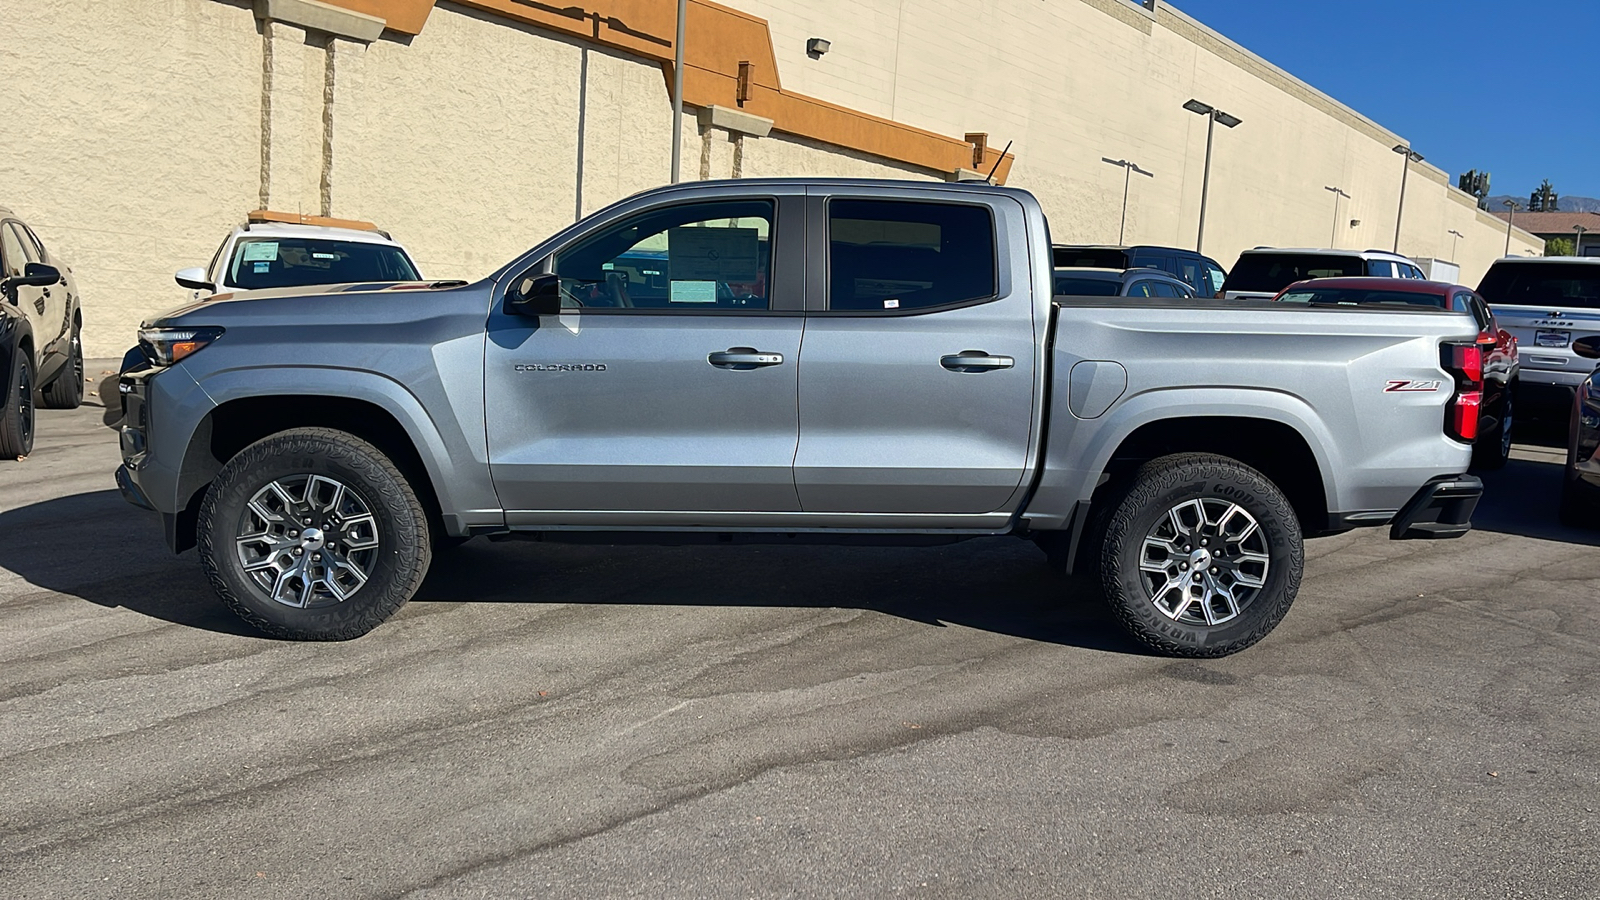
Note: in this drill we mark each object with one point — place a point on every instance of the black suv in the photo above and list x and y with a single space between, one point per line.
1202 273
41 351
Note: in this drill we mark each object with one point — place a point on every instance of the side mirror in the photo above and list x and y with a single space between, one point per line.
193 278
33 275
535 295
1588 348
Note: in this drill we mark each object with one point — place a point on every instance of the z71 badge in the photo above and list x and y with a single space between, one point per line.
1411 387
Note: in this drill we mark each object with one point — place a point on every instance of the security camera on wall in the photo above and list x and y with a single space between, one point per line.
1355 223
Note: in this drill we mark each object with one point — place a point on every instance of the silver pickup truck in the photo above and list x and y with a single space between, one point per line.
788 361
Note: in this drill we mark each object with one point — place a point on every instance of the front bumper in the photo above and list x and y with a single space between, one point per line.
130 491
1442 508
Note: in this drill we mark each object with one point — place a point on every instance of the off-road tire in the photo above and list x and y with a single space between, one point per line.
404 548
17 418
1492 448
66 391
1160 486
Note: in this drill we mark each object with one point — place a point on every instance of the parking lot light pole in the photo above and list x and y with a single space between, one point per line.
1511 207
1411 156
1128 168
1577 242
1455 243
1333 238
677 94
1213 116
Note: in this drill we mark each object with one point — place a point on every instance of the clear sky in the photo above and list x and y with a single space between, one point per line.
1472 84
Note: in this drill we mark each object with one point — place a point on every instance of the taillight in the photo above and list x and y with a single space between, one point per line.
1463 425
1465 362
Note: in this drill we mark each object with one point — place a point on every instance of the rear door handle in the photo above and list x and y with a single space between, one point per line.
741 358
975 361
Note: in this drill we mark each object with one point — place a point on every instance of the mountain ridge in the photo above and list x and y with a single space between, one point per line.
1565 203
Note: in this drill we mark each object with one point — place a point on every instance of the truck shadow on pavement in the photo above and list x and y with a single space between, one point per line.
1000 585
1522 499
95 547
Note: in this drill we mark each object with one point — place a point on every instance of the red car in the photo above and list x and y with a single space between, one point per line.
1497 348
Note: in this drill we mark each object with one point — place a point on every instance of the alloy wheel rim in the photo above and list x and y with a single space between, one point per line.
25 406
1204 561
77 358
307 541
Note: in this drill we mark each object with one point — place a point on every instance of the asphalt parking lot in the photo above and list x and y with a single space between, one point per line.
558 721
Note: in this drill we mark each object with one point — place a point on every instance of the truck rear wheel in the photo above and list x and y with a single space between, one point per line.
313 534
1202 556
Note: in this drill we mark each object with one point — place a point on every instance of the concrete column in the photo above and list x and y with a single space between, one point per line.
723 131
305 46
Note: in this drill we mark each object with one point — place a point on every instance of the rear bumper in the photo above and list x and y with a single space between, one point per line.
1442 508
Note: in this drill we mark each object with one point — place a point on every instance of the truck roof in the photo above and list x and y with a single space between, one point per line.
1328 251
1395 285
966 187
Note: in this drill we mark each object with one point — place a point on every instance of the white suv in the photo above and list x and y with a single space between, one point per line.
269 252
1263 272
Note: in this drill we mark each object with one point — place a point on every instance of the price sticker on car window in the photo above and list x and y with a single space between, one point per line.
261 251
713 254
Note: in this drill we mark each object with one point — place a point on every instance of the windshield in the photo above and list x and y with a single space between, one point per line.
1090 258
294 262
1269 273
1543 284
1086 287
1363 297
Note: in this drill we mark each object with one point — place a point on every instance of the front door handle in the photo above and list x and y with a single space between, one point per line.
975 361
742 358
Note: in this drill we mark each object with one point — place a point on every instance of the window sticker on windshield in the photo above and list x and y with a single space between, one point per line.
257 251
316 255
262 267
693 292
892 303
713 254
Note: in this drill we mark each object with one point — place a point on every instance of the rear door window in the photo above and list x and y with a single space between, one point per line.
1380 268
1189 272
889 255
1272 272
1163 289
1553 284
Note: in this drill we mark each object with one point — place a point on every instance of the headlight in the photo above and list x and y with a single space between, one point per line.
165 346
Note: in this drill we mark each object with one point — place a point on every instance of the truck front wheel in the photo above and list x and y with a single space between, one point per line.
1202 556
313 534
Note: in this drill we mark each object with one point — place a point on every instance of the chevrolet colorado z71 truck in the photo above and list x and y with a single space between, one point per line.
795 360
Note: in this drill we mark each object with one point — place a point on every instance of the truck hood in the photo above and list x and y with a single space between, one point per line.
314 290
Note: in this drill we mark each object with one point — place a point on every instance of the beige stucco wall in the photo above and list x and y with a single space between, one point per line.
147 141
132 146
1077 80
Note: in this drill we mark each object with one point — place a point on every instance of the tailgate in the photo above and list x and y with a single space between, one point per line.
1545 335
